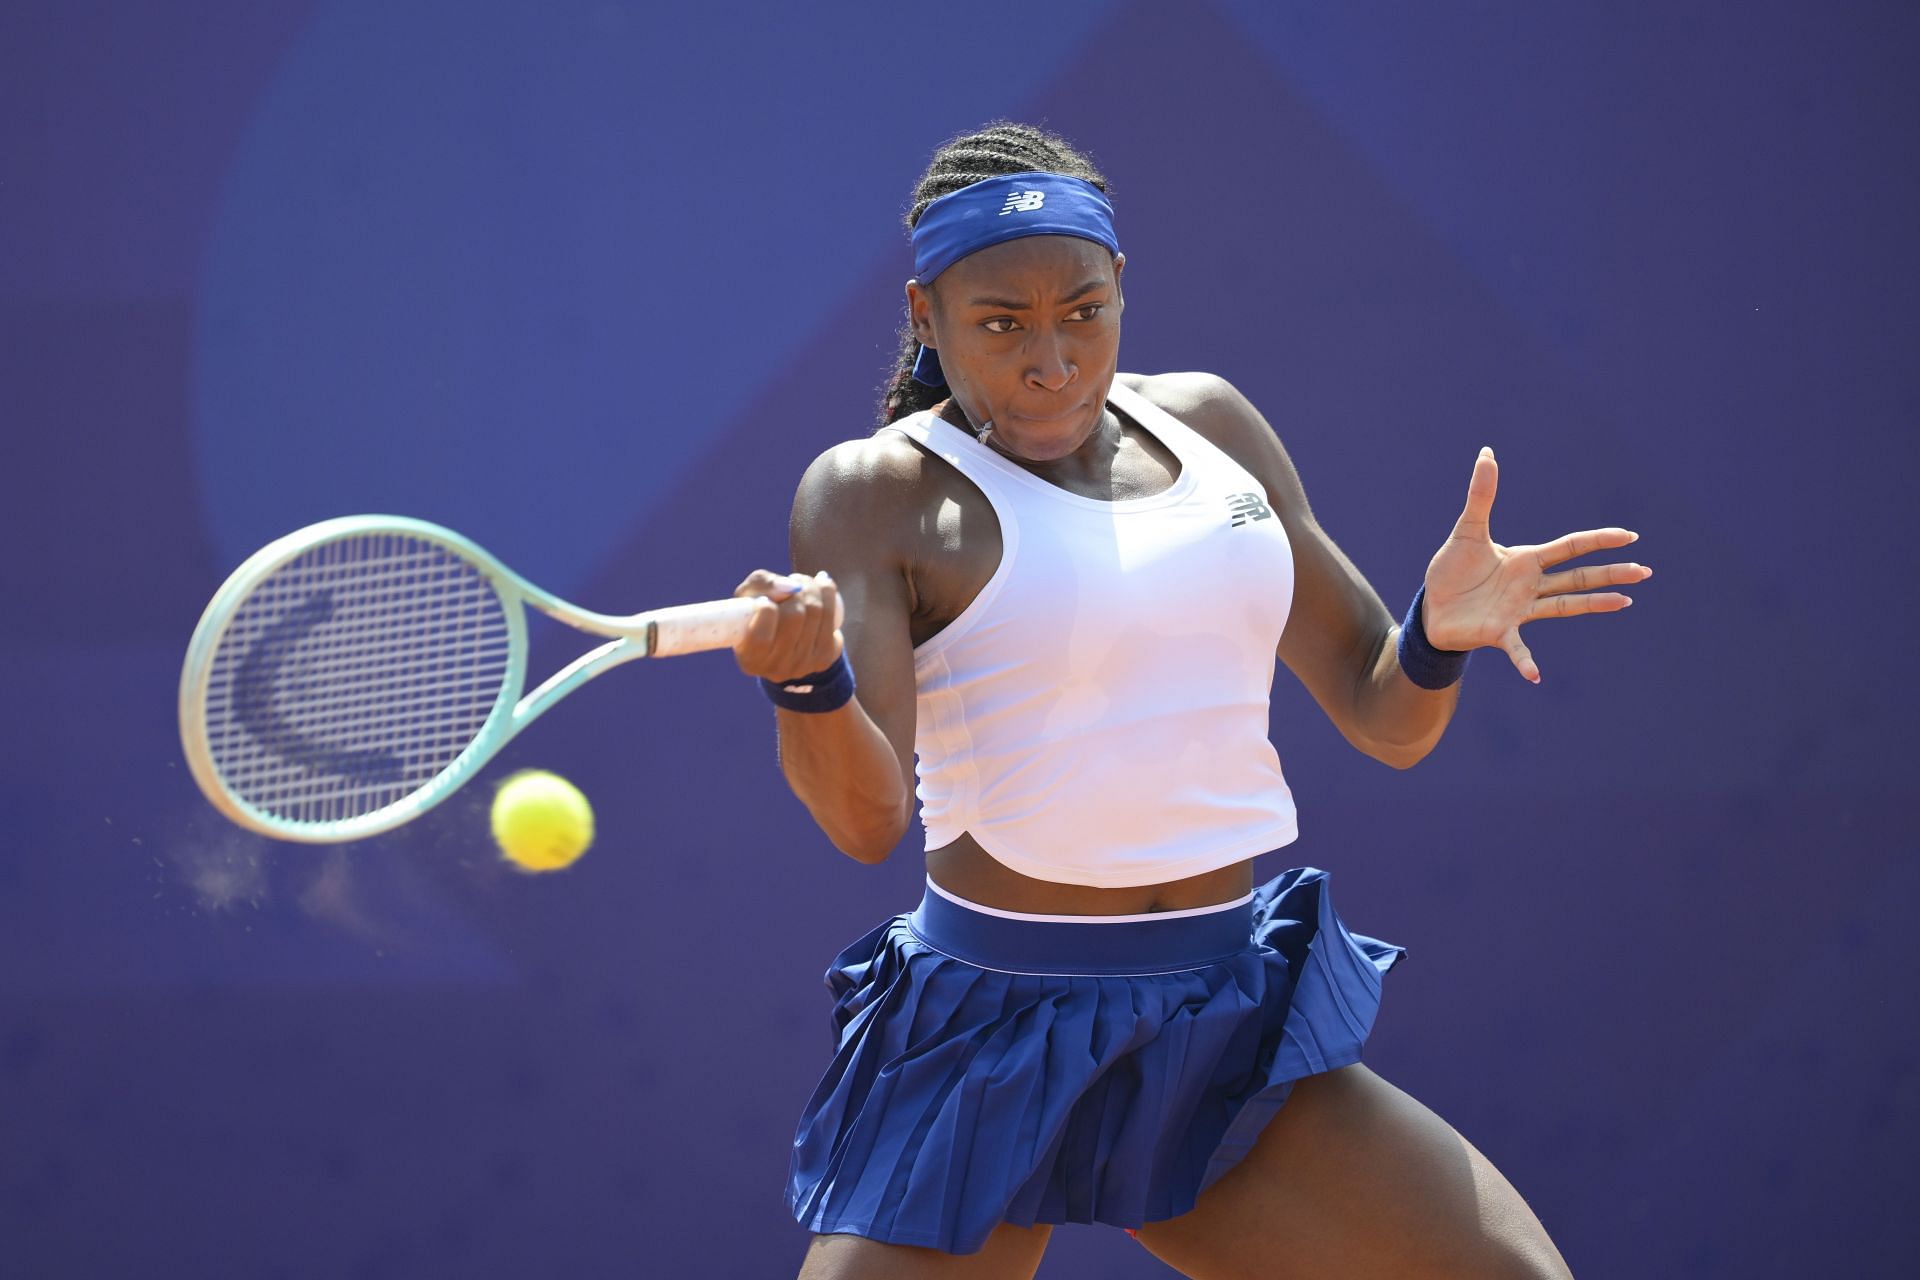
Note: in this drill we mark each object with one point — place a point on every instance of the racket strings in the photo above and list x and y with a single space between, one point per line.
353 675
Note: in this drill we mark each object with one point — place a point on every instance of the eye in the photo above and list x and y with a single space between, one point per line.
1089 311
1007 321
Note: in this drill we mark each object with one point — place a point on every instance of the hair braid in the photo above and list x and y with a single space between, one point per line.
999 148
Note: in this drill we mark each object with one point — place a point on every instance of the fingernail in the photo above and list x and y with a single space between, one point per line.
1632 536
1628 604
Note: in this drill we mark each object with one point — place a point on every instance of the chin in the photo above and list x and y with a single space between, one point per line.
1045 439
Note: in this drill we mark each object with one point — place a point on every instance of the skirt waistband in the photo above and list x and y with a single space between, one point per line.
1094 945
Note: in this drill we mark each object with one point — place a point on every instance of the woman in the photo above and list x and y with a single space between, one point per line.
1064 592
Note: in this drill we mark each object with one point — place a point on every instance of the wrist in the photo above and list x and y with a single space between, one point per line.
1422 663
828 689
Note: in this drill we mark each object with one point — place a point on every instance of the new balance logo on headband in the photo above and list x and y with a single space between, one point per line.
1023 201
1248 506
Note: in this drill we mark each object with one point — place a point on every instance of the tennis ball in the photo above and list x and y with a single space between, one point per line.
541 821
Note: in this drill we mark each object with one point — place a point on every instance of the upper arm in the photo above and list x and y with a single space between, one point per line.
1337 622
851 516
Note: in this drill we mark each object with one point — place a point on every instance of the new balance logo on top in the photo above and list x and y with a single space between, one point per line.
1248 506
1023 201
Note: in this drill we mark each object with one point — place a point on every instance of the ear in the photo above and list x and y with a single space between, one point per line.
920 312
1119 265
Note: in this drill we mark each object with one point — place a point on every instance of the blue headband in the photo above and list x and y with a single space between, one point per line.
1004 208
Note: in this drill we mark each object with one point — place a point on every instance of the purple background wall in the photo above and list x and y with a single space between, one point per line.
592 283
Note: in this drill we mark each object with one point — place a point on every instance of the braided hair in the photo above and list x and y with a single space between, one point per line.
1001 147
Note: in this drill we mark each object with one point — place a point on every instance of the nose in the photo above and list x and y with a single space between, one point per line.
1052 366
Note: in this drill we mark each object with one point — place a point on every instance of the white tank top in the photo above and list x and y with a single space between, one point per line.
1098 714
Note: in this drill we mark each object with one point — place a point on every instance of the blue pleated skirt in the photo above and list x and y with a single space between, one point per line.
996 1068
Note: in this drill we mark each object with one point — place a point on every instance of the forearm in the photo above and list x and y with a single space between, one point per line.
1394 719
844 770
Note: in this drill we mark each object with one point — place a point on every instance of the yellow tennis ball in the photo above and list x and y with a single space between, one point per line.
541 821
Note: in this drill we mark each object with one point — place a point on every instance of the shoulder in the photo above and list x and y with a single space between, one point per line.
1209 404
1216 410
882 467
863 487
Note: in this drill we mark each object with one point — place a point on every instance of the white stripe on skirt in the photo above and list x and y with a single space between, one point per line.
959 901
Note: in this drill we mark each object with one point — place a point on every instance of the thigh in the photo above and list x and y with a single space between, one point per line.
1356 1179
1011 1253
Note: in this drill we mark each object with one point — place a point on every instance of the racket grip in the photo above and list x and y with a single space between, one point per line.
714 624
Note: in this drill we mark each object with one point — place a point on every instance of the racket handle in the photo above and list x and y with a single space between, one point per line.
714 624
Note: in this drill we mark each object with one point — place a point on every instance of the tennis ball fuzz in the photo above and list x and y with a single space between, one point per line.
541 821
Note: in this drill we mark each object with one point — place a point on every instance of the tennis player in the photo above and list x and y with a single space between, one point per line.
1065 591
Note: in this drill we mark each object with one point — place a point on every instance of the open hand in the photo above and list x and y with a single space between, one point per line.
1479 592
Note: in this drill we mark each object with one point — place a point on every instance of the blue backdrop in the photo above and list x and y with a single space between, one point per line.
593 282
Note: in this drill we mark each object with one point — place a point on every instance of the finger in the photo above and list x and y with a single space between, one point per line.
790 584
765 582
1588 577
754 646
1474 518
834 597
811 619
1568 546
1521 656
790 637
1574 606
827 648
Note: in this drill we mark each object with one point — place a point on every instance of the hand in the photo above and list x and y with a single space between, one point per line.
793 632
1479 592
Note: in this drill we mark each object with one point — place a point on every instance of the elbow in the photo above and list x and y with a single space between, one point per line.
870 843
1399 744
870 853
1399 755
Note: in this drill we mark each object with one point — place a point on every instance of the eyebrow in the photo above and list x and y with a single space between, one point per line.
1011 304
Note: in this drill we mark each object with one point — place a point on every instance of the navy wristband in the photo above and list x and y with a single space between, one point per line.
1426 666
826 690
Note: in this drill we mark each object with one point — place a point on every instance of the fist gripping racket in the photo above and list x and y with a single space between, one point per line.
352 675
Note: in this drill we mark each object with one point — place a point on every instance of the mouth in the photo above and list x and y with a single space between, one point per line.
1061 416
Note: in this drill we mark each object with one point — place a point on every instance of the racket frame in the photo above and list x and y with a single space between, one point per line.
655 633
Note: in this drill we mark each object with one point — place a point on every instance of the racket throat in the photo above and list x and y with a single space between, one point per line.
576 673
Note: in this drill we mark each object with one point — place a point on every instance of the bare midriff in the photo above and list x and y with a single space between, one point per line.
966 870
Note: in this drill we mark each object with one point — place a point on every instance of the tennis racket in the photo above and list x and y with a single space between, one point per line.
352 675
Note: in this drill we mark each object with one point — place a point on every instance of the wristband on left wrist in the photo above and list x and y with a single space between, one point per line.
1426 666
